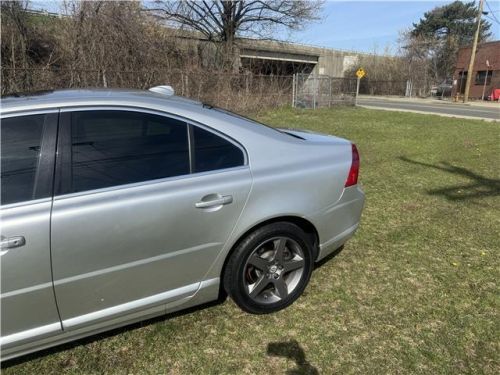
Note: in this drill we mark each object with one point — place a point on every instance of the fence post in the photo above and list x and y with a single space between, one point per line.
357 92
182 84
104 81
315 89
485 80
330 93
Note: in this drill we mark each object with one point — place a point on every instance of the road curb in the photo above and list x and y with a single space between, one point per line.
428 113
402 99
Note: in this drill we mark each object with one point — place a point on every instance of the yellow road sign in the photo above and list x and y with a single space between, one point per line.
360 73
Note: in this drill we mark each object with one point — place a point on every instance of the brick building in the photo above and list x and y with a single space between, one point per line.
486 68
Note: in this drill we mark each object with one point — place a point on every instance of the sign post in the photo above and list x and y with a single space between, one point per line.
485 78
360 73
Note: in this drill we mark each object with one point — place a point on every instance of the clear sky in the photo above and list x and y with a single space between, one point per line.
365 25
357 25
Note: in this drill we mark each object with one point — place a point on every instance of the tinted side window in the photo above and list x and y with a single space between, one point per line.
112 148
21 141
213 152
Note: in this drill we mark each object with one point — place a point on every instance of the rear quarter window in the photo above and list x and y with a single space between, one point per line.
212 152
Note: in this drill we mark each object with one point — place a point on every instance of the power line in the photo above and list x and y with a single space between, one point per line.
492 13
492 19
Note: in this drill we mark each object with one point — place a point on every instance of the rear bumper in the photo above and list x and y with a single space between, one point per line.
338 223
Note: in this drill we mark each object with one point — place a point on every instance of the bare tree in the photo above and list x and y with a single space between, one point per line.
224 20
23 45
421 60
117 44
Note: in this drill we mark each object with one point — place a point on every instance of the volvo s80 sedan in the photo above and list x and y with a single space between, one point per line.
121 205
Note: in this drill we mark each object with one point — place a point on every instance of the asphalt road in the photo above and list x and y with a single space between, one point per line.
441 108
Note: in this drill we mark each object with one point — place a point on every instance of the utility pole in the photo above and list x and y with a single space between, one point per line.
473 52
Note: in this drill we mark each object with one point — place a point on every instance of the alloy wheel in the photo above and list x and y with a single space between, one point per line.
273 270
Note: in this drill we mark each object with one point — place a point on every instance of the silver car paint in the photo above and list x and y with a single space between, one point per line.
129 252
27 292
136 242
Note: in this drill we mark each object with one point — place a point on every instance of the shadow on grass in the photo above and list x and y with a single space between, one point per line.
292 350
329 257
479 187
113 332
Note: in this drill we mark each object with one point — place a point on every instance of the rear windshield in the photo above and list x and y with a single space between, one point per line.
225 111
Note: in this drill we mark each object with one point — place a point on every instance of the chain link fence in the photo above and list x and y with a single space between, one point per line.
311 91
409 88
382 87
241 92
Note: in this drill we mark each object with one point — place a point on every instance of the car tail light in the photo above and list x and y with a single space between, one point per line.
352 177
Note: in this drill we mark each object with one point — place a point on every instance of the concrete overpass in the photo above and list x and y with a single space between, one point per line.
279 58
266 57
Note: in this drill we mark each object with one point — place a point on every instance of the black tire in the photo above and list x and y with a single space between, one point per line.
234 279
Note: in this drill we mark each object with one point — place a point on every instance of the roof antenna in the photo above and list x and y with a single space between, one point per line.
164 90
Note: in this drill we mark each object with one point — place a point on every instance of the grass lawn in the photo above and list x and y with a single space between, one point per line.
415 291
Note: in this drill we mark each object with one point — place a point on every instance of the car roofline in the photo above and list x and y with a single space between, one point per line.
84 97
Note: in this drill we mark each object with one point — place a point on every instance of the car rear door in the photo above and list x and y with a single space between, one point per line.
28 307
136 221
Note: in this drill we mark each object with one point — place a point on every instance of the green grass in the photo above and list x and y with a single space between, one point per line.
415 291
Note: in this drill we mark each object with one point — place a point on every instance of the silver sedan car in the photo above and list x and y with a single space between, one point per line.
121 205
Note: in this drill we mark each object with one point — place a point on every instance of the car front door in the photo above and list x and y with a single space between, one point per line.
139 215
28 307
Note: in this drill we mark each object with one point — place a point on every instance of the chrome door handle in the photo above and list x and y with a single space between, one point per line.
12 242
225 199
